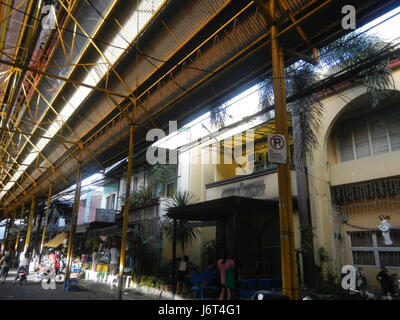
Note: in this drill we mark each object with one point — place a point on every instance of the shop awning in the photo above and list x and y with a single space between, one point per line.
57 240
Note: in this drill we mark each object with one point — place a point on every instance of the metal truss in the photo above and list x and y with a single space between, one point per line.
30 105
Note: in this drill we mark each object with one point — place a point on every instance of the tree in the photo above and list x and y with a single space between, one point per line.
185 233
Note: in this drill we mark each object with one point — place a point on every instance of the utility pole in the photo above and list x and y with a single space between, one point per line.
46 218
30 221
19 231
127 202
75 209
288 255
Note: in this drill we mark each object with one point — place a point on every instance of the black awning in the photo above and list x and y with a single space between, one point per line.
223 208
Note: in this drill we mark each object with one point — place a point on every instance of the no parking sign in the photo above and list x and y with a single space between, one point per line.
277 148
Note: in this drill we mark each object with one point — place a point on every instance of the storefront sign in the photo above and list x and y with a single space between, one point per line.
105 215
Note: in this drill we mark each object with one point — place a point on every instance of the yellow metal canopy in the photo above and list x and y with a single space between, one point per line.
57 240
260 133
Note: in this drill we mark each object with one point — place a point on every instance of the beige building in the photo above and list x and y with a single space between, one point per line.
353 179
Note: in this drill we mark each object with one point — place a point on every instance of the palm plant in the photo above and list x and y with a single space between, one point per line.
347 53
184 232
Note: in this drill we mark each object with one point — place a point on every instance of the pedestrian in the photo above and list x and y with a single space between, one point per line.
386 282
182 272
361 281
53 258
24 260
226 267
5 263
114 261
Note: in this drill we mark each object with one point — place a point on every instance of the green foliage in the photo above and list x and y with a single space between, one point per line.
151 281
184 233
218 114
143 194
323 256
209 252
346 53
161 173
181 199
145 253
326 282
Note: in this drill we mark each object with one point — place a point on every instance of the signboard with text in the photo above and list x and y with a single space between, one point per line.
105 215
277 148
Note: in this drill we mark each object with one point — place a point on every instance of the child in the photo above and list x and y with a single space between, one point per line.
182 271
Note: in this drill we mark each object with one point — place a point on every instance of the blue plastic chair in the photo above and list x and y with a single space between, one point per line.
196 280
209 287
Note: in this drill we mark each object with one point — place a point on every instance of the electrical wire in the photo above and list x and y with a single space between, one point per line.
202 70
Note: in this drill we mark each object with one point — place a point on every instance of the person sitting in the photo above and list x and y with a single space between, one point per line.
24 260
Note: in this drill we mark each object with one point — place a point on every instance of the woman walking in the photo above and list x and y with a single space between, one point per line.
5 262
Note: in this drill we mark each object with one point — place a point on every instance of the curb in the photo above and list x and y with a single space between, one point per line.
151 293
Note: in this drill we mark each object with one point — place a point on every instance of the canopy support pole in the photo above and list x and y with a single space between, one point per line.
75 210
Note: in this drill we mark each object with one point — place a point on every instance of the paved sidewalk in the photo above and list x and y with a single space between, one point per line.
130 293
91 290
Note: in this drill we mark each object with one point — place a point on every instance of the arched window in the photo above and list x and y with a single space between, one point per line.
367 134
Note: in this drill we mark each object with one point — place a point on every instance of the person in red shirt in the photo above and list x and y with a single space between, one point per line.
226 265
53 259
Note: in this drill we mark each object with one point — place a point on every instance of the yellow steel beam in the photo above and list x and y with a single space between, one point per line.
19 231
35 135
206 77
288 258
36 149
127 203
18 50
111 66
23 190
50 38
75 209
30 221
46 217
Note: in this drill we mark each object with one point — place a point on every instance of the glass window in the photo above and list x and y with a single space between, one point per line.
110 201
379 136
170 190
361 141
346 146
394 131
364 258
389 258
260 161
361 239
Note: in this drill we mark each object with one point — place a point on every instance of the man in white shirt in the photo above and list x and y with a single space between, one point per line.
24 261
114 261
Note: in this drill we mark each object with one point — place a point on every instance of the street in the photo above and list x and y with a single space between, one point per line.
33 291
